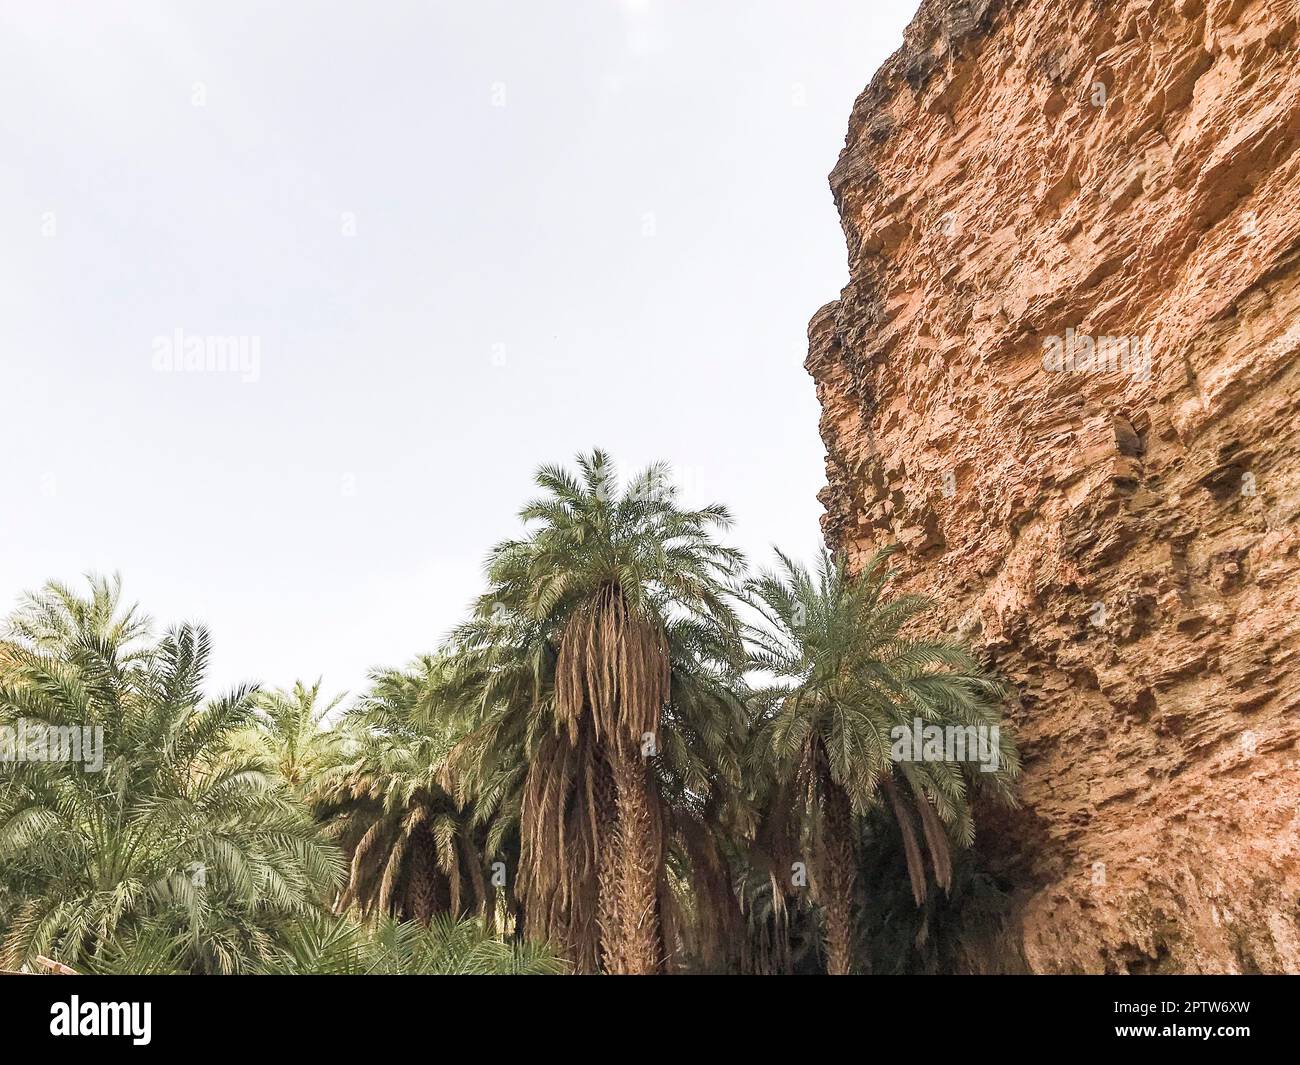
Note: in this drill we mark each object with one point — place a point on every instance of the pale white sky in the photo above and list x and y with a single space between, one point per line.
469 238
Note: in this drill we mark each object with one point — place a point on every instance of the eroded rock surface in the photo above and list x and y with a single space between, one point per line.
1123 539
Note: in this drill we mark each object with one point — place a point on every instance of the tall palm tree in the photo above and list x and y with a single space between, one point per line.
167 829
598 662
845 676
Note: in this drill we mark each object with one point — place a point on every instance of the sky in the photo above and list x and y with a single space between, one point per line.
295 298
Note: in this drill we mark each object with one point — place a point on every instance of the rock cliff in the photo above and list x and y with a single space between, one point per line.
1064 376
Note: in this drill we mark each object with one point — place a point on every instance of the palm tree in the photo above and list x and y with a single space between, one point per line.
845 677
390 798
329 945
157 824
444 946
598 662
290 734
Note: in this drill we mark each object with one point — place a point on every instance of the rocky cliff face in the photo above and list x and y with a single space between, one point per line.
1065 376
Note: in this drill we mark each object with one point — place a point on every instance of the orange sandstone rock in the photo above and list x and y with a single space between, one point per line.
1040 196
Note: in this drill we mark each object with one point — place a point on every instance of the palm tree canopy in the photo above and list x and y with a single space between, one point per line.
291 733
390 797
170 827
328 945
846 673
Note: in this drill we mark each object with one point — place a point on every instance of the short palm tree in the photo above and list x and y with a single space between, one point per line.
170 830
328 945
414 848
598 662
291 734
444 946
846 676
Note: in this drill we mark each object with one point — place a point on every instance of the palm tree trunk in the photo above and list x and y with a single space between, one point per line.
609 915
638 858
422 889
837 876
